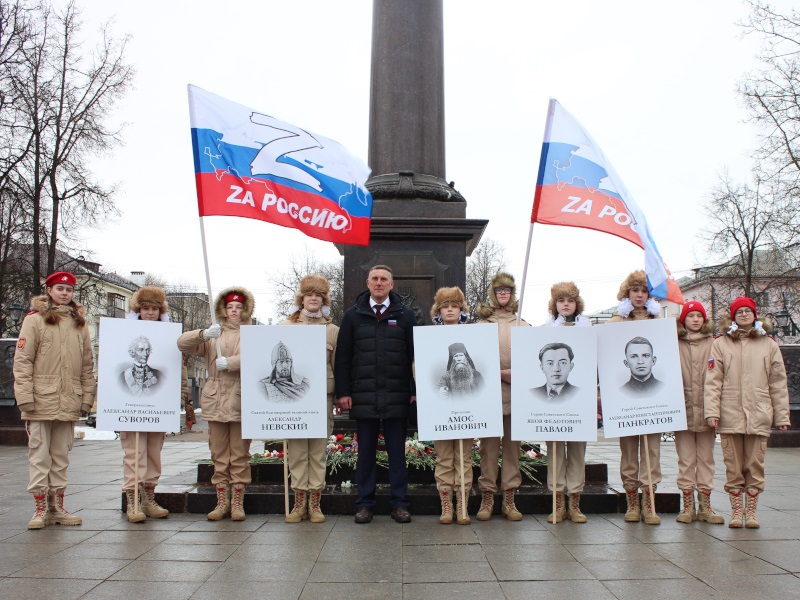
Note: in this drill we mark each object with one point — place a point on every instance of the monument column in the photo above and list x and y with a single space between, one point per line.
419 224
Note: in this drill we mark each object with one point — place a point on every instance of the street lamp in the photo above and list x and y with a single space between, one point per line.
15 312
782 318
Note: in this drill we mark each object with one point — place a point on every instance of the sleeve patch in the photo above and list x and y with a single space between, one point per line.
21 343
710 364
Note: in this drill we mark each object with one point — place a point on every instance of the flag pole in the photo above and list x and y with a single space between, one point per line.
208 283
548 126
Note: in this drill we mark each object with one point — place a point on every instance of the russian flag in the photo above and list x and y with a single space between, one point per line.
249 164
578 187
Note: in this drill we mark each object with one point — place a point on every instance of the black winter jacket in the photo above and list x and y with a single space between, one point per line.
374 358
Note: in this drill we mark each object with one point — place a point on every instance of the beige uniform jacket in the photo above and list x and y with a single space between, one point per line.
638 314
221 399
746 385
505 321
53 366
695 351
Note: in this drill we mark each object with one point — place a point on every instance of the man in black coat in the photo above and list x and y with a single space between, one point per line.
374 354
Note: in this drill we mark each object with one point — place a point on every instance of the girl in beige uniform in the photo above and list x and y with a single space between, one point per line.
566 310
221 400
695 446
149 303
635 304
53 385
501 309
745 392
312 306
450 308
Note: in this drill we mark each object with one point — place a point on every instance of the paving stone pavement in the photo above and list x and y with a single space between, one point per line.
186 556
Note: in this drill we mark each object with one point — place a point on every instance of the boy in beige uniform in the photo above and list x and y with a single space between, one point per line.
54 385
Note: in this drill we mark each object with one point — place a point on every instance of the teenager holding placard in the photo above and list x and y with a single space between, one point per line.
636 304
565 309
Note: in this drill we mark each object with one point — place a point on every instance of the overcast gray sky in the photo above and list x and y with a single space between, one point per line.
653 83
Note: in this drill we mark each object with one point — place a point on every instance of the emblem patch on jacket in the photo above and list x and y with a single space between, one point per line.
710 364
21 343
392 323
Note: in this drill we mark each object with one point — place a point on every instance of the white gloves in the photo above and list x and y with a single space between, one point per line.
212 332
222 364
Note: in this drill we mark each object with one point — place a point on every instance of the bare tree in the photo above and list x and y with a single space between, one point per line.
486 260
64 94
286 283
772 92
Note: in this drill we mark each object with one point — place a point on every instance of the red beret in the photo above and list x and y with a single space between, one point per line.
690 307
742 302
234 297
60 277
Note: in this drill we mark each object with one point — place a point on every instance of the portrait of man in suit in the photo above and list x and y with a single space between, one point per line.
140 379
640 359
556 361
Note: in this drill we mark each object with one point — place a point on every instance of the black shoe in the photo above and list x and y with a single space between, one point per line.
364 515
401 514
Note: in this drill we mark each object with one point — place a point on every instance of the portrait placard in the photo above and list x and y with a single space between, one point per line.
284 382
458 381
554 384
139 376
641 387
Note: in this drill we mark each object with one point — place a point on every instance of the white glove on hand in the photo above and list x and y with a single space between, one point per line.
212 332
222 364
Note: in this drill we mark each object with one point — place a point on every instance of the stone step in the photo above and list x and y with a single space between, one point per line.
423 499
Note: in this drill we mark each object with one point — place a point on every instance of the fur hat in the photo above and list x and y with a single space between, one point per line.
309 284
501 279
149 295
249 304
634 279
565 289
449 295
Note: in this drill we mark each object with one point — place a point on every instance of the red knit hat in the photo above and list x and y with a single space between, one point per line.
742 302
234 297
60 277
692 306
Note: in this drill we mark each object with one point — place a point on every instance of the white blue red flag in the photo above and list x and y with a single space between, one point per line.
578 187
249 164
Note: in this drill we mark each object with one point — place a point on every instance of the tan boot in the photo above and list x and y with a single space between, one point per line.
462 517
314 511
750 520
648 514
487 506
508 508
223 508
300 509
39 518
447 506
237 502
688 513
150 507
134 515
574 509
737 511
57 514
706 513
561 510
633 514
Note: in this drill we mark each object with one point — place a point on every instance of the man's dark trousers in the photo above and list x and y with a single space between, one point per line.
394 436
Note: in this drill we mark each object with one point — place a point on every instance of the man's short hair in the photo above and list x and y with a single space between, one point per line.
134 343
638 340
383 268
556 346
